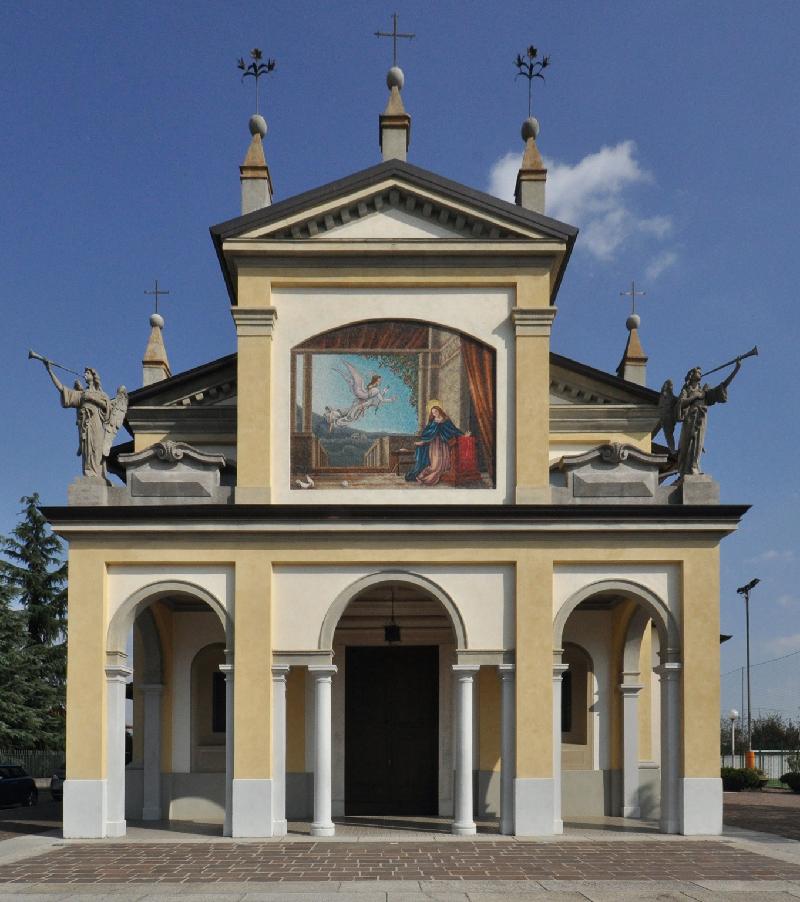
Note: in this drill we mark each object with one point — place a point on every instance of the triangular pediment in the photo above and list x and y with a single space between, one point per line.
574 383
394 200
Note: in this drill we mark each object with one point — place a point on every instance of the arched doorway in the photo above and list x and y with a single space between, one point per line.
395 646
179 768
627 764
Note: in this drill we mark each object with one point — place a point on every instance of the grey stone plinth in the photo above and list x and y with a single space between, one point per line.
172 471
614 473
700 489
87 491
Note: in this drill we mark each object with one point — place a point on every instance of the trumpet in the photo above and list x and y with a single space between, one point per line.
32 355
753 352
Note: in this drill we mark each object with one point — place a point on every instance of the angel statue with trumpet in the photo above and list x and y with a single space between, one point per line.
98 416
690 409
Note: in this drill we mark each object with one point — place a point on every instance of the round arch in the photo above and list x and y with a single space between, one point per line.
403 577
122 621
655 607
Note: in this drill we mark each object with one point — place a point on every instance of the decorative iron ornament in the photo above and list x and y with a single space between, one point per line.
394 34
256 68
530 66
157 293
633 294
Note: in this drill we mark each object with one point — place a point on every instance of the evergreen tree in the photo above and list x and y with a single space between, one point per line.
32 639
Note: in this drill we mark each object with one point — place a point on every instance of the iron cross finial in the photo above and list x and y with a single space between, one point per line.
394 34
256 68
632 294
529 65
156 292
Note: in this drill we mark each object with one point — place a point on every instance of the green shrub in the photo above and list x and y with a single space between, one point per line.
792 780
733 779
793 763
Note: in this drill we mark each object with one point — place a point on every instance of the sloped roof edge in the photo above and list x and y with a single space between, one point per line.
149 392
413 175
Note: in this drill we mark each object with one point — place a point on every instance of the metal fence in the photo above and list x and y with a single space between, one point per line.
37 762
773 762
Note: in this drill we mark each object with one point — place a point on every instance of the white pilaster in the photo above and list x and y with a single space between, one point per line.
227 669
559 670
463 823
322 675
630 689
117 675
508 741
279 674
151 771
669 673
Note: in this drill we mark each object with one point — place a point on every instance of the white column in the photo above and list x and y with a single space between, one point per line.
670 672
151 771
227 669
558 672
463 824
323 679
117 675
630 689
508 740
279 674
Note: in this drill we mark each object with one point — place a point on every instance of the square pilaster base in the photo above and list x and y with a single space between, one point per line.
534 807
252 808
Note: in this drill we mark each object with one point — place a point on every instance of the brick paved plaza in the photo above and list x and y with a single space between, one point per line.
618 860
208 863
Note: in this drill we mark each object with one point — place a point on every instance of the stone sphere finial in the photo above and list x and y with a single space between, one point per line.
395 78
633 322
258 125
530 129
156 319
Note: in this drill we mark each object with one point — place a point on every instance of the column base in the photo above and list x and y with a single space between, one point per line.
468 829
701 806
534 807
631 811
280 828
323 829
84 809
116 828
252 808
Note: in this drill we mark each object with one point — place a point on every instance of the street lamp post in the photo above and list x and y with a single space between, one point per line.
745 590
733 716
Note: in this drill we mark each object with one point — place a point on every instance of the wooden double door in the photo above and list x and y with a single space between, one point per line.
392 730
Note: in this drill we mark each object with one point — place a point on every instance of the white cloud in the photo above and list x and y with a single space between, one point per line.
659 264
788 601
591 195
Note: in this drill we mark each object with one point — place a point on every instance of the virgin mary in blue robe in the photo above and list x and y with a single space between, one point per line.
432 458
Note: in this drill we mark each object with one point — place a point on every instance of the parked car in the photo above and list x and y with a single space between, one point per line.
57 783
16 787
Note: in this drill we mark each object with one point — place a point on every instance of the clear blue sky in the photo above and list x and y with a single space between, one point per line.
124 124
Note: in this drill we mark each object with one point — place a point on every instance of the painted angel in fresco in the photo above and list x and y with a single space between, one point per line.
432 459
366 397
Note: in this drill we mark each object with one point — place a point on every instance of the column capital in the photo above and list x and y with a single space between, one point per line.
118 673
630 690
321 671
558 671
465 671
506 671
534 322
254 321
669 670
280 672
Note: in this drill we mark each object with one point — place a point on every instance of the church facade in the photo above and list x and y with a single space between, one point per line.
393 557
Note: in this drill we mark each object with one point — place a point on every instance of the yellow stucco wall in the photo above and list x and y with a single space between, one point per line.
296 720
533 556
489 717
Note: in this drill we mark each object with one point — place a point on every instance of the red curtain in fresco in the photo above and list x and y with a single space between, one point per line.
380 335
479 364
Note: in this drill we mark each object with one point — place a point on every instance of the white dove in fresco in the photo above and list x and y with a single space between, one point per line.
308 484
